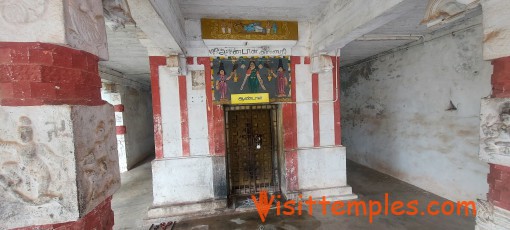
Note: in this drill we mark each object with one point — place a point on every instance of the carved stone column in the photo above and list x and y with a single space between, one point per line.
495 149
58 154
494 213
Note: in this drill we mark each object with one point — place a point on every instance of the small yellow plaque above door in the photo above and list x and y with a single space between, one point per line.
233 29
249 98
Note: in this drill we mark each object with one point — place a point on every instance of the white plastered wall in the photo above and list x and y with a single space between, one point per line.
397 118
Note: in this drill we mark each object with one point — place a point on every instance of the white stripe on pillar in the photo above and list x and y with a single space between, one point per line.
170 112
326 115
197 111
304 110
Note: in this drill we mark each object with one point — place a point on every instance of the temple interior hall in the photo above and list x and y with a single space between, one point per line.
268 114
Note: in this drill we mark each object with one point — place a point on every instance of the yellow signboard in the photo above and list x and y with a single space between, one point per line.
250 98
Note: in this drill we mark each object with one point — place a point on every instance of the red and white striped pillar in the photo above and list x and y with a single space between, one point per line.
312 131
155 62
110 93
58 160
494 213
190 140
173 115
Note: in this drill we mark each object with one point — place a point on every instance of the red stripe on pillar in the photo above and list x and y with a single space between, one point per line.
315 107
189 60
183 102
499 183
289 124
118 108
336 76
290 144
219 130
501 78
121 130
206 61
307 60
294 60
155 62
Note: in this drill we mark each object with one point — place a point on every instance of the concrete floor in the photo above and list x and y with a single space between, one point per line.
130 204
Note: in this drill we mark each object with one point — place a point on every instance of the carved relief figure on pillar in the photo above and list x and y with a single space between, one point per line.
95 164
86 26
484 213
26 168
497 133
22 11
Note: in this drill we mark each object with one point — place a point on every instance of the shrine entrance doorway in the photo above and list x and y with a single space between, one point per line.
252 150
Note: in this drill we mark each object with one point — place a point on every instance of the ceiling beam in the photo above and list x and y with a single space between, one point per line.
386 37
119 78
345 21
162 22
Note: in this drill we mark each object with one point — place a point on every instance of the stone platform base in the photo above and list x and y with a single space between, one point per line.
179 212
323 172
331 194
99 218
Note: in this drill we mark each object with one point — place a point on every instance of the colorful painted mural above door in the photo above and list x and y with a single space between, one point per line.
248 75
240 29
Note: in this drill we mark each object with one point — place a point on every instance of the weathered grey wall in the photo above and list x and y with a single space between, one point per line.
396 117
139 125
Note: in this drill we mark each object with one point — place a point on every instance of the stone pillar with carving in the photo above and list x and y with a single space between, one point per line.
58 153
494 213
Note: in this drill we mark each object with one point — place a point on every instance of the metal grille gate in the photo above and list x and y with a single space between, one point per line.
252 152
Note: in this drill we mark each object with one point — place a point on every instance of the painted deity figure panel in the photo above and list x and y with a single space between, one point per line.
246 75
